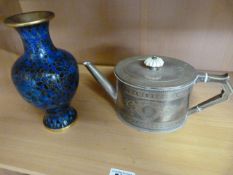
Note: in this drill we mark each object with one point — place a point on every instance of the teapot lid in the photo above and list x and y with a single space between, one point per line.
155 72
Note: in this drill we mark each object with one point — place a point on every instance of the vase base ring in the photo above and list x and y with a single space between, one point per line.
60 118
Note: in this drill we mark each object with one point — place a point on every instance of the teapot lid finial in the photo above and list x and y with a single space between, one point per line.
154 62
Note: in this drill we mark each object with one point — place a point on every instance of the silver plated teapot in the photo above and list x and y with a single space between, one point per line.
152 93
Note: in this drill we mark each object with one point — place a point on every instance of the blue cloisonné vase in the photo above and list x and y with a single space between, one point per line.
44 75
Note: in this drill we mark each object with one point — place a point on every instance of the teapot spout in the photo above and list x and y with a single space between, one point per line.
100 78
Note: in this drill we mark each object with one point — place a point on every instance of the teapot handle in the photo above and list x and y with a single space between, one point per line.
227 90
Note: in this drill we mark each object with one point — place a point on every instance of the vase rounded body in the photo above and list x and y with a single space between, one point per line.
46 76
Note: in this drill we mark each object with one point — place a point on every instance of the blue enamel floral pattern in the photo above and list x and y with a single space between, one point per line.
46 76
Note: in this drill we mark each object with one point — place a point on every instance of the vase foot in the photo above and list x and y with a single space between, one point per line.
59 118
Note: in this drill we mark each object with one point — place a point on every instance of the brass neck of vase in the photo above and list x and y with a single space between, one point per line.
28 18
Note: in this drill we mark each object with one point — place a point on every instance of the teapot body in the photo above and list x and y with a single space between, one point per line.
152 110
154 96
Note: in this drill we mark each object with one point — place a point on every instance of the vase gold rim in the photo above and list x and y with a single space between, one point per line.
28 18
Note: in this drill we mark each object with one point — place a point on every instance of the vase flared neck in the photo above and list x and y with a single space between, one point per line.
28 18
36 38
